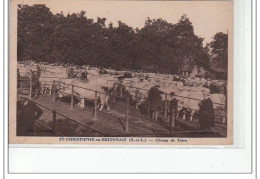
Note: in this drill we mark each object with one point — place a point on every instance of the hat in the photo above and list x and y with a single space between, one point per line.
21 97
172 93
23 94
206 94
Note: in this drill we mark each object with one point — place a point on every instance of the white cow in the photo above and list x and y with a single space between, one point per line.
137 88
103 87
142 87
219 105
190 101
219 101
50 75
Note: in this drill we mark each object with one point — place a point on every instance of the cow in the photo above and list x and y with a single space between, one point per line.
86 89
33 78
136 88
48 77
189 103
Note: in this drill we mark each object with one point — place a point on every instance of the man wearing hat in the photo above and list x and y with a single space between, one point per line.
84 75
154 97
27 113
206 113
173 108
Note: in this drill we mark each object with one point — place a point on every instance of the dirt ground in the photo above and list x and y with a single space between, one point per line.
113 123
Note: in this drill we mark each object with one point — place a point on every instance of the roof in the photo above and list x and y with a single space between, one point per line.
188 67
218 68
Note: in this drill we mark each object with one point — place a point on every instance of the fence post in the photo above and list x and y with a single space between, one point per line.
54 112
136 99
172 119
30 90
121 91
54 90
127 116
148 111
113 98
165 106
63 86
224 120
95 107
72 97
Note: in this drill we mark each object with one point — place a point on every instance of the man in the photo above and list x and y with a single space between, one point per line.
154 97
71 73
38 70
27 113
173 107
35 83
84 75
206 113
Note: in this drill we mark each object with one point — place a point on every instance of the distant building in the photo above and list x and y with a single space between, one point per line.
218 71
192 70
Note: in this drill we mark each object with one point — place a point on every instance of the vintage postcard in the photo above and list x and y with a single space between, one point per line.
121 72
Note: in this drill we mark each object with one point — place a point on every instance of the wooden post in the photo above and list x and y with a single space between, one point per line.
121 91
54 112
83 105
63 86
30 90
136 99
72 97
127 116
54 91
165 106
172 119
113 98
95 107
224 120
148 112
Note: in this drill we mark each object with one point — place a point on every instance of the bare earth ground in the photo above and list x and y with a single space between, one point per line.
113 123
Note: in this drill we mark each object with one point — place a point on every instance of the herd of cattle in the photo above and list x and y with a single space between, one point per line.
134 85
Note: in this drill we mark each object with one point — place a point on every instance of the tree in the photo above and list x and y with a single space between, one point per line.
189 47
35 24
166 47
219 51
157 47
120 39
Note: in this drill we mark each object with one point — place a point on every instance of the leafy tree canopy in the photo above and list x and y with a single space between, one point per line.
157 47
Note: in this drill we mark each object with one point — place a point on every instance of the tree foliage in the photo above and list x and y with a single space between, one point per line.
157 47
219 51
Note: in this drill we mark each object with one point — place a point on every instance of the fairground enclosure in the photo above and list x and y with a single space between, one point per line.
93 78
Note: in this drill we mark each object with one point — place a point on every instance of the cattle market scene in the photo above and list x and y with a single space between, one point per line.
84 76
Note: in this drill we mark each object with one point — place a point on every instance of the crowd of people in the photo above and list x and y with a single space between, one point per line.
205 113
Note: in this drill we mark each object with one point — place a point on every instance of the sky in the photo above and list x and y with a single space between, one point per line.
208 17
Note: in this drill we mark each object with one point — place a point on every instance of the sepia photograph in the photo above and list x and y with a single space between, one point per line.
121 72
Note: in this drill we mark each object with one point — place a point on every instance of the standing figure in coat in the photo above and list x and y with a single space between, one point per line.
206 113
39 71
27 113
173 108
154 97
84 75
36 85
71 73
